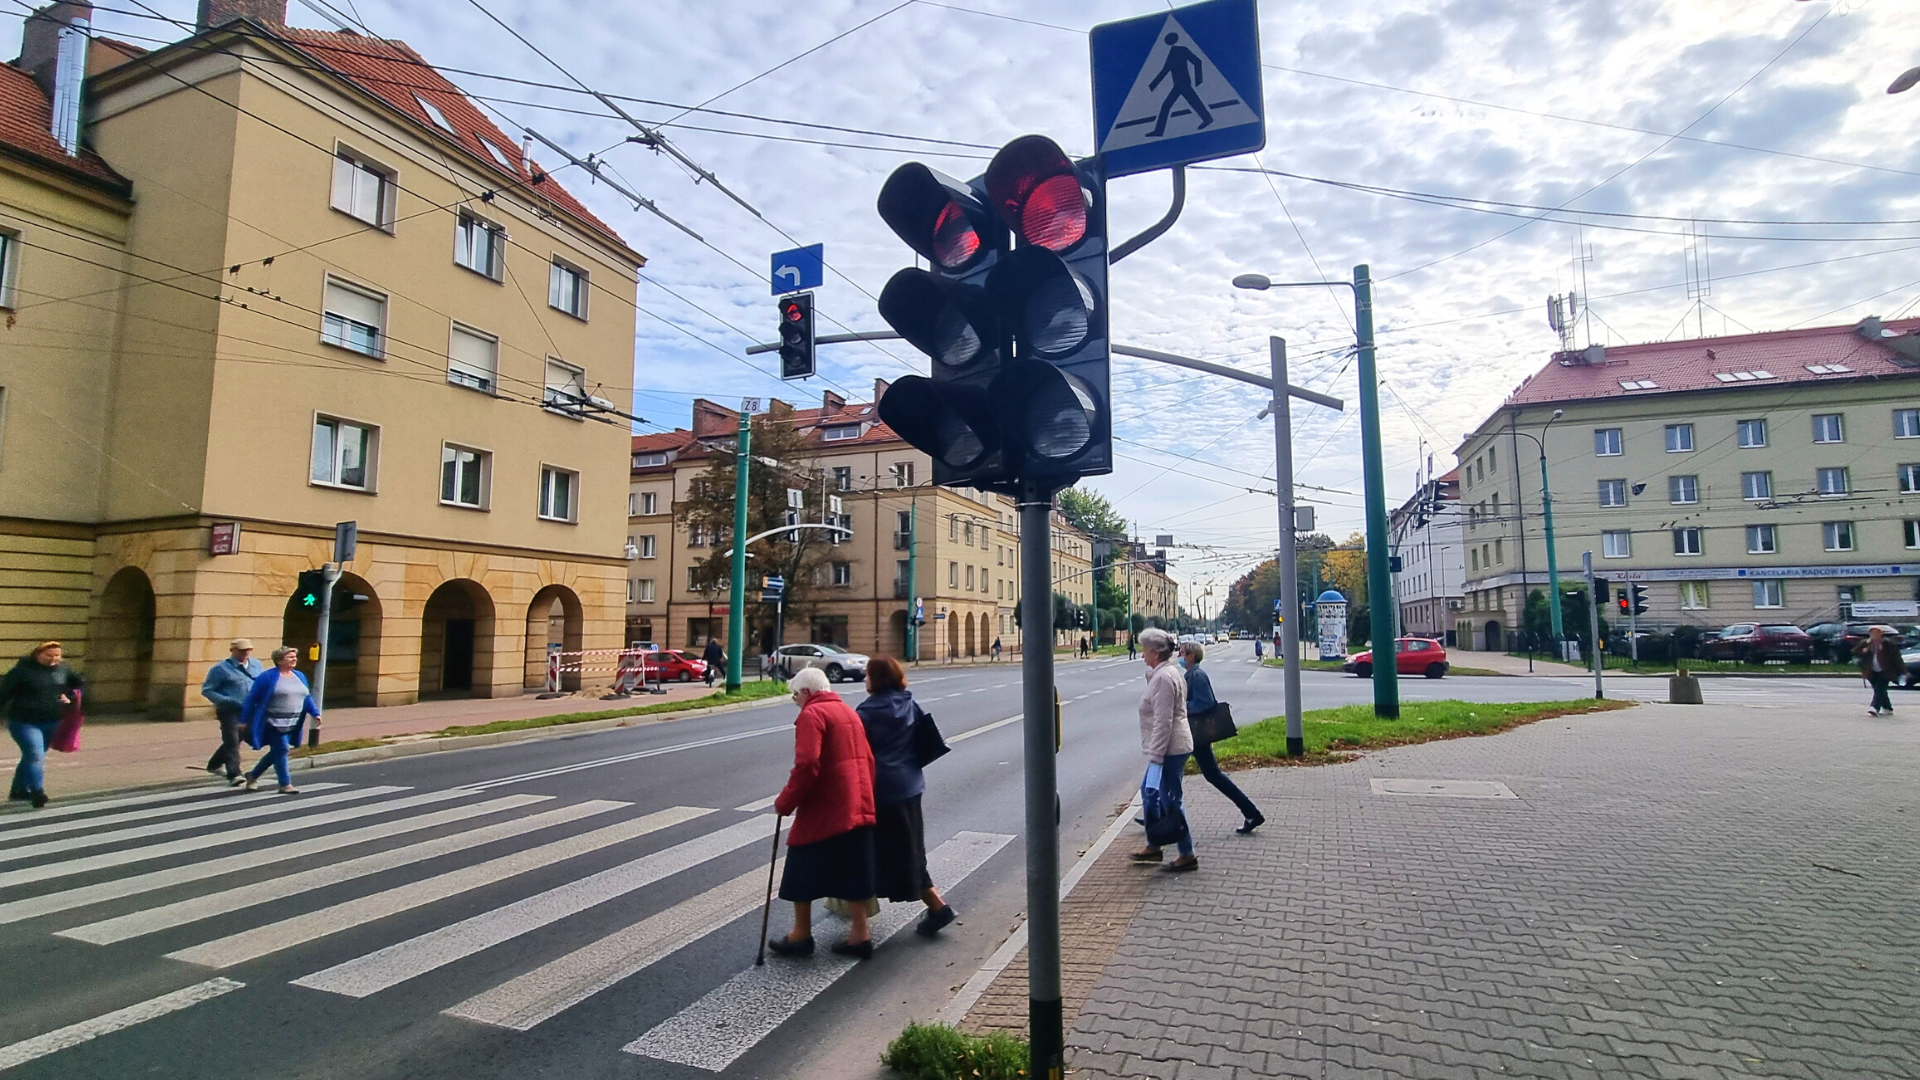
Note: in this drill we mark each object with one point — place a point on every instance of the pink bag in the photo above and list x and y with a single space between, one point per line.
66 737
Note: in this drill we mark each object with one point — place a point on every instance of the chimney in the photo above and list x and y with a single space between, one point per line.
710 419
880 390
831 403
53 47
221 12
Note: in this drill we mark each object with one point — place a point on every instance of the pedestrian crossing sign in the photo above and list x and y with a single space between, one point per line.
1178 86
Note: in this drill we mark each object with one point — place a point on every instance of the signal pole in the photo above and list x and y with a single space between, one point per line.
1282 407
1046 1034
737 602
913 581
1380 602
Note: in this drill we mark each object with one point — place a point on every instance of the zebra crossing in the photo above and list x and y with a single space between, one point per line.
352 892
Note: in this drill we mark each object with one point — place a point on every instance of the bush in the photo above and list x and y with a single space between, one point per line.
938 1052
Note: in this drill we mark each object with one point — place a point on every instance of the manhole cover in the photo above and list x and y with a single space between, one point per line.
1445 789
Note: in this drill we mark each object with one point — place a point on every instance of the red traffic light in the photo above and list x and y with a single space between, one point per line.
1036 190
791 311
938 216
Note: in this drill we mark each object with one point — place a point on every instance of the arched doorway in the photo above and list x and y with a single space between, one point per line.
456 641
953 635
972 638
120 668
1493 636
555 622
353 642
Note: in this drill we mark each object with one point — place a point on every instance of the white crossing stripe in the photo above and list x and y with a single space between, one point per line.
193 909
57 827
620 759
217 838
105 1024
522 1003
397 963
713 1032
264 940
255 809
247 862
181 799
758 805
982 729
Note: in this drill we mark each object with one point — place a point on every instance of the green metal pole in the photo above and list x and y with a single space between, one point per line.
913 582
1553 561
1386 674
737 602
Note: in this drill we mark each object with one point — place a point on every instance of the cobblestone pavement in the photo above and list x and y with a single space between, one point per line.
1676 891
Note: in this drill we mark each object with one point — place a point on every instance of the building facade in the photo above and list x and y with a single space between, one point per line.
1764 477
1428 534
347 296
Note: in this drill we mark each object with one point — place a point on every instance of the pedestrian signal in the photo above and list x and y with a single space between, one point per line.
312 586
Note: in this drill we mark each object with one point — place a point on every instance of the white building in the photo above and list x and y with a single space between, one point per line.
1429 534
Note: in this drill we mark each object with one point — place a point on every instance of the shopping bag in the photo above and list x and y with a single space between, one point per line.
66 737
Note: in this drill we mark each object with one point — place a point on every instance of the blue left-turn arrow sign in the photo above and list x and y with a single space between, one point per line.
801 268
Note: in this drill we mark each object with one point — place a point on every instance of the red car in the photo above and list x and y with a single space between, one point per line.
1759 642
667 665
1416 656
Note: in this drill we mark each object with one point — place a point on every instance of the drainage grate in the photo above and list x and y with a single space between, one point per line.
1444 789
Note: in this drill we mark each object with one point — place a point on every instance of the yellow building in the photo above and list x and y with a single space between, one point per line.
342 294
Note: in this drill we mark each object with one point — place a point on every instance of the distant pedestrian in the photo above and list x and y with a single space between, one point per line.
996 648
274 714
226 685
1167 742
36 693
1256 649
1130 644
714 657
1083 648
1201 705
830 795
1880 663
899 833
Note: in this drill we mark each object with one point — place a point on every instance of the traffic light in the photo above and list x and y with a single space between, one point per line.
1013 313
1639 599
312 586
1621 599
796 336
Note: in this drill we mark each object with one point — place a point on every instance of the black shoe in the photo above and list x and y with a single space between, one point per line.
786 947
18 795
1253 823
935 921
1182 865
862 951
39 799
1147 855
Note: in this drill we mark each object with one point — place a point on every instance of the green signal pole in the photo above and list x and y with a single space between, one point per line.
737 603
1386 674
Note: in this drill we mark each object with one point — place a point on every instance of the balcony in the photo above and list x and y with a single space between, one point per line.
900 590
902 541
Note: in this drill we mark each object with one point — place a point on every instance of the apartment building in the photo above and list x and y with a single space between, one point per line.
963 546
338 293
1156 598
1771 477
1429 534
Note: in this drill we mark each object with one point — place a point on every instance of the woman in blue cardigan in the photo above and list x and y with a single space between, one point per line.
274 714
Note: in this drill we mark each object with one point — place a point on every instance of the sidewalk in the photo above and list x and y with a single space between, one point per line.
1672 891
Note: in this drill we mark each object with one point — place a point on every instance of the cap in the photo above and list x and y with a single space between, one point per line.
240 643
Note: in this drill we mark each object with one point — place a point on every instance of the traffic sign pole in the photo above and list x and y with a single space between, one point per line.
1282 406
331 574
1046 1035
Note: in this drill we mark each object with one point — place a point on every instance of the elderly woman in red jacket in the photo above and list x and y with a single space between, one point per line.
830 795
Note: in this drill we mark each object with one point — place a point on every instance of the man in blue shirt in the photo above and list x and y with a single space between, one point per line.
226 686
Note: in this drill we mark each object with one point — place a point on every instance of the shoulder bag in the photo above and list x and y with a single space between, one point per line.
1220 725
928 745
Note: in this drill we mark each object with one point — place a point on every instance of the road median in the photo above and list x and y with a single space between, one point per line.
1340 734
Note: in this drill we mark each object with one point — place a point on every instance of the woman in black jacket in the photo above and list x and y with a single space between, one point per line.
1200 702
37 690
900 838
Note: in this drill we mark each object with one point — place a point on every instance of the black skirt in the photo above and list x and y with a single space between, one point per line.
900 848
840 867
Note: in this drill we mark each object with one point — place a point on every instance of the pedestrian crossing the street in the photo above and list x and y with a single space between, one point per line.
393 894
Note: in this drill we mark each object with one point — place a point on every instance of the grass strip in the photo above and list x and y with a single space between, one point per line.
1335 734
1307 665
938 1052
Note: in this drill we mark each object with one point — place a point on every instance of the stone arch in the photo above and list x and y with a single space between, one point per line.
456 641
972 638
119 665
353 650
897 640
555 617
953 635
1493 636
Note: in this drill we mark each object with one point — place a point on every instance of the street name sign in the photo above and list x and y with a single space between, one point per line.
1177 87
799 269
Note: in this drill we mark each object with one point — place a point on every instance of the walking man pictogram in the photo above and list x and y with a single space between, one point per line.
1186 71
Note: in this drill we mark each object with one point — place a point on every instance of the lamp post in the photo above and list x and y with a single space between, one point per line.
1380 602
1546 516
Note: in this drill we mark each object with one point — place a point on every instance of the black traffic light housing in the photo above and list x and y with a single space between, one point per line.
310 590
1639 596
1620 598
796 336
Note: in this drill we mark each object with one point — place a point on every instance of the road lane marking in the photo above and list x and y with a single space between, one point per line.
395 964
713 1032
204 801
264 940
277 829
250 812
107 1023
254 893
983 729
620 759
758 805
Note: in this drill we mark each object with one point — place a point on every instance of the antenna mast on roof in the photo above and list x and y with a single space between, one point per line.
1699 275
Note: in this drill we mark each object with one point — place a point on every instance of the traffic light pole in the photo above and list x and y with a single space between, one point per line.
737 602
913 581
330 572
1282 409
1380 602
1045 1033
1593 625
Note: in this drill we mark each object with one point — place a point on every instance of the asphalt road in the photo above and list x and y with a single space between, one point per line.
579 907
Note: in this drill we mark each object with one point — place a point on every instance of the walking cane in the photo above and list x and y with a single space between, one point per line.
760 957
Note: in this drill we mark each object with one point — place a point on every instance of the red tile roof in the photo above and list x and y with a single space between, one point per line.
811 422
1784 356
392 71
26 130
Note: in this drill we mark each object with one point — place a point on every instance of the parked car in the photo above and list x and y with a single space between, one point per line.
1836 640
671 665
1758 642
1414 656
1912 657
1653 645
837 662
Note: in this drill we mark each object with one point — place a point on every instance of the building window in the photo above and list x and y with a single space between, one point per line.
903 474
644 594
1679 438
342 454
1762 540
1756 486
478 245
1693 595
353 318
633 504
434 114
362 189
1837 535
953 527
1493 458
842 478
696 535
649 461
1753 433
649 503
969 579
1686 541
1607 442
1909 479
1499 551
1906 422
1616 544
473 359
903 523
693 581
840 433
1683 490
566 387
1827 428
842 573
953 575
1769 594
1613 493
567 288
649 546
1911 527
632 590
9 264
1833 481
463 476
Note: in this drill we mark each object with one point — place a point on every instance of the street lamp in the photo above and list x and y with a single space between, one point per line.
1386 678
1546 514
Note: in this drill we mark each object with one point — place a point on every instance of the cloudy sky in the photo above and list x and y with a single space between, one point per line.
1740 111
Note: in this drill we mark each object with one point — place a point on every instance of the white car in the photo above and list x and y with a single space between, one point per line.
837 662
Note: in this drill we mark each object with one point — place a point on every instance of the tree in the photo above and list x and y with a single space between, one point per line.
1091 513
